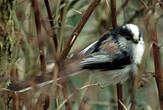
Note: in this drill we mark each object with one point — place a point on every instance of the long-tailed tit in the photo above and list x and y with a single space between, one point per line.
116 54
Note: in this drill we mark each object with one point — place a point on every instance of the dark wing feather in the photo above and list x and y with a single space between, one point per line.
107 55
118 62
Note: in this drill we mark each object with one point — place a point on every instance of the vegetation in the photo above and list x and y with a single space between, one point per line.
39 43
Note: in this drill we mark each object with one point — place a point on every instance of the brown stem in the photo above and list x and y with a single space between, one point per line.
152 32
65 93
114 13
114 24
40 39
50 44
15 95
55 39
120 96
79 27
157 63
46 105
15 101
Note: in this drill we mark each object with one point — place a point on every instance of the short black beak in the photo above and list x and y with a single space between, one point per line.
136 41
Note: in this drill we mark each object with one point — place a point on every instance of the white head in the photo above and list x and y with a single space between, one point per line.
138 45
132 32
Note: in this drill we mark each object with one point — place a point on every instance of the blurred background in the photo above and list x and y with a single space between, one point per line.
84 91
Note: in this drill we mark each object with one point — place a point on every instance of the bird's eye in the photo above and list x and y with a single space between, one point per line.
128 37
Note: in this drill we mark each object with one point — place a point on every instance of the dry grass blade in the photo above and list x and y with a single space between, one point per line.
61 105
123 105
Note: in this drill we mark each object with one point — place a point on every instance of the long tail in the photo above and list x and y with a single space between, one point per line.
69 68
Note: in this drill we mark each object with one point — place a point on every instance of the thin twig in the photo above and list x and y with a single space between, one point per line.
55 39
40 39
142 2
50 44
137 13
122 6
114 24
77 11
79 27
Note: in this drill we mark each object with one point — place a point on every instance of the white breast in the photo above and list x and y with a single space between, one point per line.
138 51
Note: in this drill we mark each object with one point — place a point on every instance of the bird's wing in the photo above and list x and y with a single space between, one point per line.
107 55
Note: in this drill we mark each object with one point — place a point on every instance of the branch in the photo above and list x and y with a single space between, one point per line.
114 24
79 27
152 32
157 63
40 39
55 39
114 13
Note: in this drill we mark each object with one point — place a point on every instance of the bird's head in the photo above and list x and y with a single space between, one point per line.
131 32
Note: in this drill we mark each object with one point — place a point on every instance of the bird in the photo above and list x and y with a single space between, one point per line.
116 55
